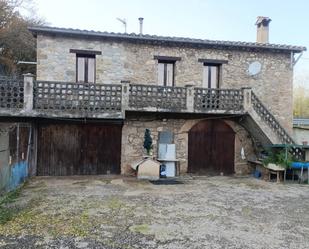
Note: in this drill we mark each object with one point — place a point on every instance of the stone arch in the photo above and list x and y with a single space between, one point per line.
242 140
211 146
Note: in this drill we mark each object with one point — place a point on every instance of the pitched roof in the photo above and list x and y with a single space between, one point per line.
132 37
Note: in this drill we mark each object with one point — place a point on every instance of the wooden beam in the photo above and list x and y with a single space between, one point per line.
167 58
82 51
212 61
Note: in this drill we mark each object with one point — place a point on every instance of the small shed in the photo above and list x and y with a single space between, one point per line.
147 169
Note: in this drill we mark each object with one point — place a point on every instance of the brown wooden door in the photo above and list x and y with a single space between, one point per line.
75 149
211 148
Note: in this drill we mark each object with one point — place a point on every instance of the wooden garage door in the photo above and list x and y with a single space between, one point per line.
75 149
211 148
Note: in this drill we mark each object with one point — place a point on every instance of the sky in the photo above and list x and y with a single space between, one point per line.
206 19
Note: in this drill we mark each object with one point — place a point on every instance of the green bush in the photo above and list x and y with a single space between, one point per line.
279 157
147 141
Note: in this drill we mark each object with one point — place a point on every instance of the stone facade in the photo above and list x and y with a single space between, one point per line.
128 61
133 137
136 63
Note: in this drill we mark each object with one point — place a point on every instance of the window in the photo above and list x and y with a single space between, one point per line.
166 69
85 68
212 72
85 65
166 73
211 75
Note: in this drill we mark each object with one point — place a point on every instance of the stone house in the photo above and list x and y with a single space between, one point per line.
95 93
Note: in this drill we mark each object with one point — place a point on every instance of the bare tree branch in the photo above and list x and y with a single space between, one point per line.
16 42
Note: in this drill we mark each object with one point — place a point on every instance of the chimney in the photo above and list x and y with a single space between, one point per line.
262 34
141 25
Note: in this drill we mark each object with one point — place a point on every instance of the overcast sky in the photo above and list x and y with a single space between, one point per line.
206 19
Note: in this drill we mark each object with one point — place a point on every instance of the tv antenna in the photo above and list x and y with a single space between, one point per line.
124 22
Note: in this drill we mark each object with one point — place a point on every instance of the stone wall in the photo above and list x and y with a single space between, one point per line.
133 138
135 62
301 134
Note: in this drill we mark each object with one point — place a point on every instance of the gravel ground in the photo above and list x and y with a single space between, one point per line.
208 212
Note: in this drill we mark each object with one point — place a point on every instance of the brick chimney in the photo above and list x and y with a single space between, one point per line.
262 34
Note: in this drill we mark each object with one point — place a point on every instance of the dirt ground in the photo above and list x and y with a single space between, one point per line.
209 212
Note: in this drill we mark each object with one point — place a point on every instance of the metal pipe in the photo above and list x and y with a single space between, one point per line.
124 22
141 25
29 144
297 59
27 62
17 141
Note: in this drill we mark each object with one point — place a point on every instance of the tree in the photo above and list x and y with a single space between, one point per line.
301 96
16 41
147 141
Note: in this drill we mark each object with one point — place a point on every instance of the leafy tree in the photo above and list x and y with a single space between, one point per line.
147 141
301 102
16 41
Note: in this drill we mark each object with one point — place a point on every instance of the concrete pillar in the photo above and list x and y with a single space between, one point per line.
125 97
247 98
190 98
28 92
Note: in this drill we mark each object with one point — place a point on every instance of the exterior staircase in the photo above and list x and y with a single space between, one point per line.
263 127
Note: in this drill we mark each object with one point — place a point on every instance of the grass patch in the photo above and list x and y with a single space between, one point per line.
143 229
33 221
82 183
246 211
115 204
7 212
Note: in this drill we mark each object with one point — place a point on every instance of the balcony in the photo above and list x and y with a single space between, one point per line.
31 98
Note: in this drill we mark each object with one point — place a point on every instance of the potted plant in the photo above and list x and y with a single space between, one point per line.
148 142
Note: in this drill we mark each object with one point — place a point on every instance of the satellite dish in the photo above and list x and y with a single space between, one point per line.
254 68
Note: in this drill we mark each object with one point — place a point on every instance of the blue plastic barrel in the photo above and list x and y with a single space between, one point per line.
257 174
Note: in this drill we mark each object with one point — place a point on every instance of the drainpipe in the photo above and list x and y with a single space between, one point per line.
17 141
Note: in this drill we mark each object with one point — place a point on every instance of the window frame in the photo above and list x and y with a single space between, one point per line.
219 69
165 63
85 53
213 62
166 60
86 69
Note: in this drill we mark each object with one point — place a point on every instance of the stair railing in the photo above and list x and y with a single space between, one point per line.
273 123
